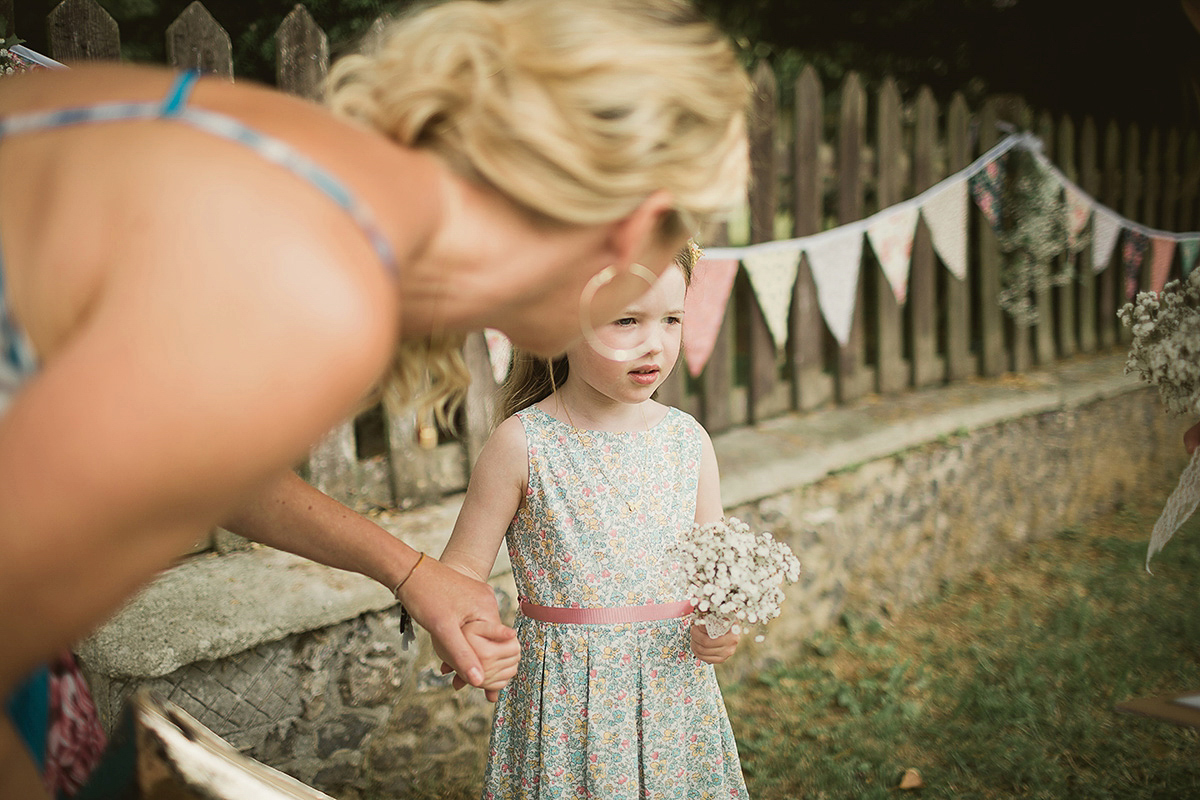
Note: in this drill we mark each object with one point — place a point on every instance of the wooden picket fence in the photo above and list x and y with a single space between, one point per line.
816 165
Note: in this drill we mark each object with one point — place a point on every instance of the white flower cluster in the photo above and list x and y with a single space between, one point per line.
1166 342
734 577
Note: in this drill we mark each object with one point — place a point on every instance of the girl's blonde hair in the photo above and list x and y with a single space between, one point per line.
575 110
532 378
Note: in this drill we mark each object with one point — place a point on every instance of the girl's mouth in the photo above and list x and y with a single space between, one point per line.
644 375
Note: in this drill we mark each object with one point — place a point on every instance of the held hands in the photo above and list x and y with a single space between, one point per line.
710 650
463 620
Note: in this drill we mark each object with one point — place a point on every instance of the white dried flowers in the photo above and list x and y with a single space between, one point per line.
734 577
1165 351
1166 354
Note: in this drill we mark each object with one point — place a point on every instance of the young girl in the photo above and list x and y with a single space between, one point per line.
590 482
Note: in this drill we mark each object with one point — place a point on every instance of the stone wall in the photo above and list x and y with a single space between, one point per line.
348 710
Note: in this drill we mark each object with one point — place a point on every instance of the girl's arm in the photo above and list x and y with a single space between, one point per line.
495 492
291 515
708 510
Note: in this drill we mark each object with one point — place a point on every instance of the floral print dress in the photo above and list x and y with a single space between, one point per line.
608 710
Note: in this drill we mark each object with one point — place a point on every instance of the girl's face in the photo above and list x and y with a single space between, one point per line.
652 326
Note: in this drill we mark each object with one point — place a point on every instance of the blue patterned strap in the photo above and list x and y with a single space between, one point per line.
175 107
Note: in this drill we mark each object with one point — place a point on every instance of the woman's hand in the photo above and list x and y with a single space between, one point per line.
461 615
499 659
710 650
1192 438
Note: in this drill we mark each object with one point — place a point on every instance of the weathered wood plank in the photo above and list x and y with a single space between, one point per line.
80 30
301 55
892 368
993 359
1066 297
853 378
1089 181
955 294
764 399
716 381
483 398
195 40
812 384
1043 329
1109 282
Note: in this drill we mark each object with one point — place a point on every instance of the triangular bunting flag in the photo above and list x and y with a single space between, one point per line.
1133 253
704 309
1188 250
1160 266
946 215
773 278
500 353
987 187
1105 228
835 261
1079 211
891 237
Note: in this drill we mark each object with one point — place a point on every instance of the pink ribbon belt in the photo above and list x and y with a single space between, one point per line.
605 616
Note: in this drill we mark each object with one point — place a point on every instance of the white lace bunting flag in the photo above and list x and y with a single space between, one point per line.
1106 227
946 215
891 237
835 258
773 277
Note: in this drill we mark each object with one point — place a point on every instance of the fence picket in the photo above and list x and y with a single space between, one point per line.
992 357
854 378
923 274
1049 312
1089 291
1109 281
716 381
80 30
892 368
1067 297
808 340
302 54
960 359
195 40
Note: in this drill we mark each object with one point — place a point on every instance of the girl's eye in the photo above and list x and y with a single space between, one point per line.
625 322
674 320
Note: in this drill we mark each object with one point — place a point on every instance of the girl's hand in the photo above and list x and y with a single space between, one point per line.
499 653
1192 438
449 604
710 650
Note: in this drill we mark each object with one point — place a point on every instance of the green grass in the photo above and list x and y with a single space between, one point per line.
1003 686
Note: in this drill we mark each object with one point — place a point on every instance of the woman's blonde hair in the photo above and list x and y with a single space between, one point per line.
575 110
531 378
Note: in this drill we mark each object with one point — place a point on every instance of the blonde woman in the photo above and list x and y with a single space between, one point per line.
200 278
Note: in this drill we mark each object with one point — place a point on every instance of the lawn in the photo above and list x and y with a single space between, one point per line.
1001 686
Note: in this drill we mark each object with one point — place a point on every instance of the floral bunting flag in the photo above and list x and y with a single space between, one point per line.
1133 253
946 215
1188 250
987 187
835 261
1106 226
500 353
1160 265
891 237
773 277
1079 211
704 309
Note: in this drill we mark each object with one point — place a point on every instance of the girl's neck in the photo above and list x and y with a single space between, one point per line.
582 407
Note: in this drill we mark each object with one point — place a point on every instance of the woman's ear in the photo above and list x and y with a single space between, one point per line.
638 236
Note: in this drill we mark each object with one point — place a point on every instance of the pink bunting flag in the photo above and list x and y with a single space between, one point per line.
500 353
704 309
1160 267
891 237
1079 211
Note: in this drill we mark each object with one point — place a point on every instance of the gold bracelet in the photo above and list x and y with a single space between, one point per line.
404 580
